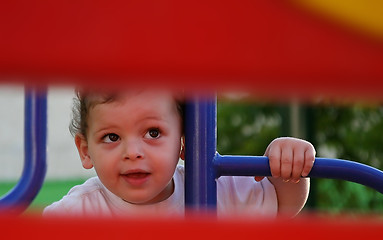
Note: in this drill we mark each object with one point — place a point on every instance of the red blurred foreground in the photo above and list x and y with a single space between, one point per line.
267 47
195 227
272 48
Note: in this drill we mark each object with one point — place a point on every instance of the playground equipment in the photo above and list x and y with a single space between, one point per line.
203 166
262 41
253 44
35 134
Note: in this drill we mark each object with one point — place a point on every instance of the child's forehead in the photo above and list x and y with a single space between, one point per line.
135 109
94 98
140 100
147 97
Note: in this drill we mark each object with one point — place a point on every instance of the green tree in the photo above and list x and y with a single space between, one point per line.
352 132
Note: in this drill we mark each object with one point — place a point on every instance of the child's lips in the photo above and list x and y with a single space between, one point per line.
136 177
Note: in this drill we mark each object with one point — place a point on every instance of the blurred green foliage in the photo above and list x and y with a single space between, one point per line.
352 132
246 128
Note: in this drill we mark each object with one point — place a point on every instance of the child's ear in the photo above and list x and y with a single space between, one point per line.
82 147
182 152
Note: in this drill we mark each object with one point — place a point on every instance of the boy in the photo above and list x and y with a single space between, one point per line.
134 141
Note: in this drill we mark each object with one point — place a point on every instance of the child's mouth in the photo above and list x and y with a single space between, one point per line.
137 175
136 178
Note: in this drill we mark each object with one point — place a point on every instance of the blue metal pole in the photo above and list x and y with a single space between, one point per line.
323 168
200 150
203 164
35 132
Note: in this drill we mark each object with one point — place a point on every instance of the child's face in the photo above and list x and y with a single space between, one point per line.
134 145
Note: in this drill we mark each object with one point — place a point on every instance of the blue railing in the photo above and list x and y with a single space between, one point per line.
35 134
202 167
204 164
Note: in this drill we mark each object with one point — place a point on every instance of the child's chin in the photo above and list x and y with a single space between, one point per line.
138 200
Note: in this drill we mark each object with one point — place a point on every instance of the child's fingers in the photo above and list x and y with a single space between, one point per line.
287 157
309 161
298 165
274 155
258 179
290 158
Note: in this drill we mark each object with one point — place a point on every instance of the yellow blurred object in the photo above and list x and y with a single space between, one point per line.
362 15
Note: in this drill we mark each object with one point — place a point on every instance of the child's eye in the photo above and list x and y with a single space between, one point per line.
111 137
153 133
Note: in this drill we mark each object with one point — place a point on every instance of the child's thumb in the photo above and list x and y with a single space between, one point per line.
258 179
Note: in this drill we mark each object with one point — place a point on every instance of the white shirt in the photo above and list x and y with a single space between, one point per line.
235 195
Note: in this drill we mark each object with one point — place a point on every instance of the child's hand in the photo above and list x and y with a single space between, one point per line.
290 158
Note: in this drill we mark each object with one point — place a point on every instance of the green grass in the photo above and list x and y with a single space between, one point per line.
50 192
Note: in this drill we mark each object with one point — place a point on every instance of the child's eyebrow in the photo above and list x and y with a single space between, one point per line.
152 118
105 129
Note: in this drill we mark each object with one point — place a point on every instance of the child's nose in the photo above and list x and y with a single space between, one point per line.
133 150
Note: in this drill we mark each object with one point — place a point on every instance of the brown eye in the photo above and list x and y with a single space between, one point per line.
153 133
112 137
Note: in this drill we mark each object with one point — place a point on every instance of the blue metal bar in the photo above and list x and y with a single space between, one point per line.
229 165
203 164
200 138
323 168
35 132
